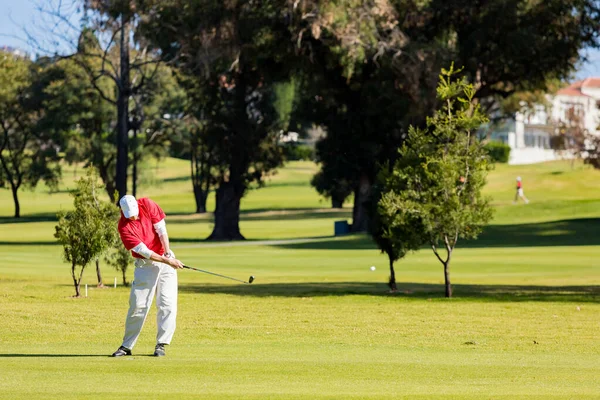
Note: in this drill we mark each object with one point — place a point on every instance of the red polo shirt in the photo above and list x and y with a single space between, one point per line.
142 230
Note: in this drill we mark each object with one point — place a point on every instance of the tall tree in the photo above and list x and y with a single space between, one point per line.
154 112
187 128
84 110
494 41
116 18
234 50
75 107
28 153
108 47
354 89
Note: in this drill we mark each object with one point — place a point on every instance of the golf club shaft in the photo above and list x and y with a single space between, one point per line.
212 273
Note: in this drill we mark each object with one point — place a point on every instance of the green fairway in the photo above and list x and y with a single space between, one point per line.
317 322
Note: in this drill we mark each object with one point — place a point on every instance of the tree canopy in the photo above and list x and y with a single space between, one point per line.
29 152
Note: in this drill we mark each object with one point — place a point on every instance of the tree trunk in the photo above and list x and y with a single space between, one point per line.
448 285
125 283
337 203
360 217
201 196
108 182
200 170
75 281
447 279
392 282
122 112
227 213
135 162
15 195
99 273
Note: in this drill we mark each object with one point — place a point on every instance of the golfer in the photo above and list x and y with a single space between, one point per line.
520 193
143 231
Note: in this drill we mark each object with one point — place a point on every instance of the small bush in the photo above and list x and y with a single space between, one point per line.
298 152
498 152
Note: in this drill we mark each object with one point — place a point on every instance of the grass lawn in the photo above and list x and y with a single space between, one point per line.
317 323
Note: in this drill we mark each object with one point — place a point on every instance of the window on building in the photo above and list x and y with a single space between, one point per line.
529 140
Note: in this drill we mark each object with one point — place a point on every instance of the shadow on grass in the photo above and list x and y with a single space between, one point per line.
295 215
574 232
284 184
308 210
43 217
183 178
247 242
27 243
409 290
345 242
267 215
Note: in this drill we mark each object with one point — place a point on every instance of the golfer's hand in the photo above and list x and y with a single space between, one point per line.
175 263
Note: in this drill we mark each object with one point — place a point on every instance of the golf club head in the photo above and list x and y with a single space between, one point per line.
251 279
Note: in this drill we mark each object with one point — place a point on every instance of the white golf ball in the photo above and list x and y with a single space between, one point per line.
373 268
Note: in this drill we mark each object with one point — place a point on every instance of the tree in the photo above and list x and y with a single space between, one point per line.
86 232
435 185
494 41
367 82
119 258
28 153
116 18
106 214
75 108
396 233
108 47
157 107
337 189
190 139
233 49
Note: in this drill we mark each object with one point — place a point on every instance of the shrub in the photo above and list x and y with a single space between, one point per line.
498 152
298 152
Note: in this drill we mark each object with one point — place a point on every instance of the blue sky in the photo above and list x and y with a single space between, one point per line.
17 13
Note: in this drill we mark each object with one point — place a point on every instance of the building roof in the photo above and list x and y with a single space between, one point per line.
591 83
575 89
569 91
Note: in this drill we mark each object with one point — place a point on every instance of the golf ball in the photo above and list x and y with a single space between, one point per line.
373 268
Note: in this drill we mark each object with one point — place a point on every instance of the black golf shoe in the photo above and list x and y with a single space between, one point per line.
159 350
122 351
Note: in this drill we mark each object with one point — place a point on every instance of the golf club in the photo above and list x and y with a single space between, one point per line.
250 280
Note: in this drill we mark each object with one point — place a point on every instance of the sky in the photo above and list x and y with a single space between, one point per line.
14 14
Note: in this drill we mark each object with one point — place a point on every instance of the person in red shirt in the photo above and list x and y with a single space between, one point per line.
520 192
143 231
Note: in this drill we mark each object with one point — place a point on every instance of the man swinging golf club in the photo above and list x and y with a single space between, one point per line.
143 231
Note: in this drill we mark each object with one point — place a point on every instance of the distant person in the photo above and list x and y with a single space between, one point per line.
520 193
143 232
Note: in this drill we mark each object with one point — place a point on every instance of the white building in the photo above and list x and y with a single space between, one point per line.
528 133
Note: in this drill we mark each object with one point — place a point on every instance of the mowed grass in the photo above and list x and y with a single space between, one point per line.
317 323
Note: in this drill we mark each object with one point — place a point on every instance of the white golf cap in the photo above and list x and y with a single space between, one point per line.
518 178
129 206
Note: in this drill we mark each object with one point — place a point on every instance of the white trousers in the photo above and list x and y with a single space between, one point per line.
152 278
